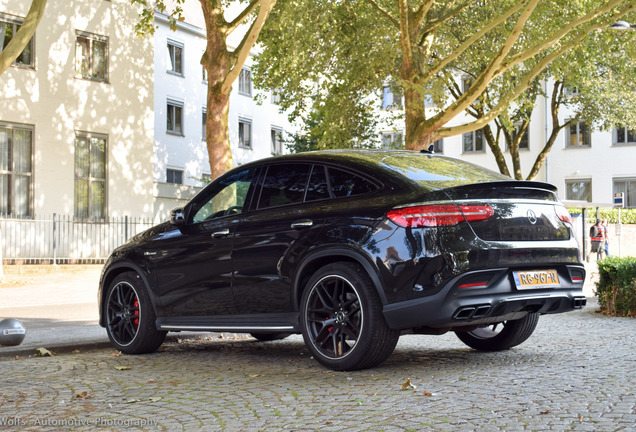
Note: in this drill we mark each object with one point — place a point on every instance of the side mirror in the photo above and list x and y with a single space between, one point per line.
177 216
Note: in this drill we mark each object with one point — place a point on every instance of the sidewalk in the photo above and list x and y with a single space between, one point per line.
58 306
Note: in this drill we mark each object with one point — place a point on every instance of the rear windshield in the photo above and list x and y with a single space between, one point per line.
439 172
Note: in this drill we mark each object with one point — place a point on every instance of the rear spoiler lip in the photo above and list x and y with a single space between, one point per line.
516 184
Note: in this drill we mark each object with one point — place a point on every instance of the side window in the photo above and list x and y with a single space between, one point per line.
283 184
227 199
344 184
317 188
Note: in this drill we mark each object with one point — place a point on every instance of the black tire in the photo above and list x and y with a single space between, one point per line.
341 319
267 337
130 318
500 336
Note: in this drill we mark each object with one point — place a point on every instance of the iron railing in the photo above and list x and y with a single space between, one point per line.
61 239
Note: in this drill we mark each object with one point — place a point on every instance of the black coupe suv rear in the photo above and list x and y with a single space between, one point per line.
351 249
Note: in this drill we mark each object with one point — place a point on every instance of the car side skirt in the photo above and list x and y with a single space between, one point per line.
261 323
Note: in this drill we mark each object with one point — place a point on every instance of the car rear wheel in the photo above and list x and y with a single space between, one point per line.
341 319
130 318
500 336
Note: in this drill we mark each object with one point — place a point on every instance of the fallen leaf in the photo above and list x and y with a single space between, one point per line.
121 368
151 380
117 354
545 412
83 395
407 385
425 393
155 399
43 352
75 352
132 400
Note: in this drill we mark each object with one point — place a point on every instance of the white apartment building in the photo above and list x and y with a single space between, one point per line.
76 123
97 122
181 162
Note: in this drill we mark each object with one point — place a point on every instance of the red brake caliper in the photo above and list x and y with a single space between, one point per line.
136 305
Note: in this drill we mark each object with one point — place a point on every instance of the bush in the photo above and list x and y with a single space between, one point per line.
616 288
628 216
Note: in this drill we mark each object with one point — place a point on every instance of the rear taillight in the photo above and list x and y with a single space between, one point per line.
439 215
563 214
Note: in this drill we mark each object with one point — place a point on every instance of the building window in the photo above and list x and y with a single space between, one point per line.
277 141
473 141
392 140
90 176
16 166
174 123
578 190
175 54
438 146
245 82
204 118
9 26
580 135
624 136
275 97
245 133
91 57
390 99
174 176
628 187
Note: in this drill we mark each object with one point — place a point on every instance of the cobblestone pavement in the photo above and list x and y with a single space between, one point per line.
577 372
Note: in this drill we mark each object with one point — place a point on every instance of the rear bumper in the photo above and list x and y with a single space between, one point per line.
455 306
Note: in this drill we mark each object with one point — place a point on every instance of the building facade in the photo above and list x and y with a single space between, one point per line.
76 125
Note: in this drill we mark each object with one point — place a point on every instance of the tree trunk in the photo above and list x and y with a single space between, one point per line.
217 132
493 143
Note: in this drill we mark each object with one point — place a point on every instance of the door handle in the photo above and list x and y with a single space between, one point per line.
302 224
221 233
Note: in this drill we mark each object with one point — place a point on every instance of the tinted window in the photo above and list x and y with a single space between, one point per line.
345 184
317 188
228 197
283 184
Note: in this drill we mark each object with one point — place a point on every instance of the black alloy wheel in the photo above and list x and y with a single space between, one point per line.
130 319
342 321
500 336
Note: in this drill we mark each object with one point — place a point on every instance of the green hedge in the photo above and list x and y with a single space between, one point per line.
616 288
628 216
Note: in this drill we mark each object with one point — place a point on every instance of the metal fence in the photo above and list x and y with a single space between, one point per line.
60 239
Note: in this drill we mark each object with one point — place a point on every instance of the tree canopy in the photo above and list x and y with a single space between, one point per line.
420 48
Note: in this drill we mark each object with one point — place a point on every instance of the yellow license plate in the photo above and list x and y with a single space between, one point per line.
535 279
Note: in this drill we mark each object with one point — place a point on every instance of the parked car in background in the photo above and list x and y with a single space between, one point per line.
351 249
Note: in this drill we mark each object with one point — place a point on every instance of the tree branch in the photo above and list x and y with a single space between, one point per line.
22 37
236 22
384 12
242 51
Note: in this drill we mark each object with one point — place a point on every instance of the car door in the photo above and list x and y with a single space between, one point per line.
192 262
281 226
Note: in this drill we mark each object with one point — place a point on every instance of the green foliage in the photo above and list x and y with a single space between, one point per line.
628 216
146 24
616 288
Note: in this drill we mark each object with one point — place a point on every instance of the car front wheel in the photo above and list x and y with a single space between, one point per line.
342 321
500 336
130 318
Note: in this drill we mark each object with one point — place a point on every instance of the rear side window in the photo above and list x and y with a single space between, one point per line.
283 184
344 184
318 188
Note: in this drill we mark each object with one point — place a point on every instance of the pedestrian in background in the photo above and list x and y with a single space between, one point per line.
606 245
597 239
